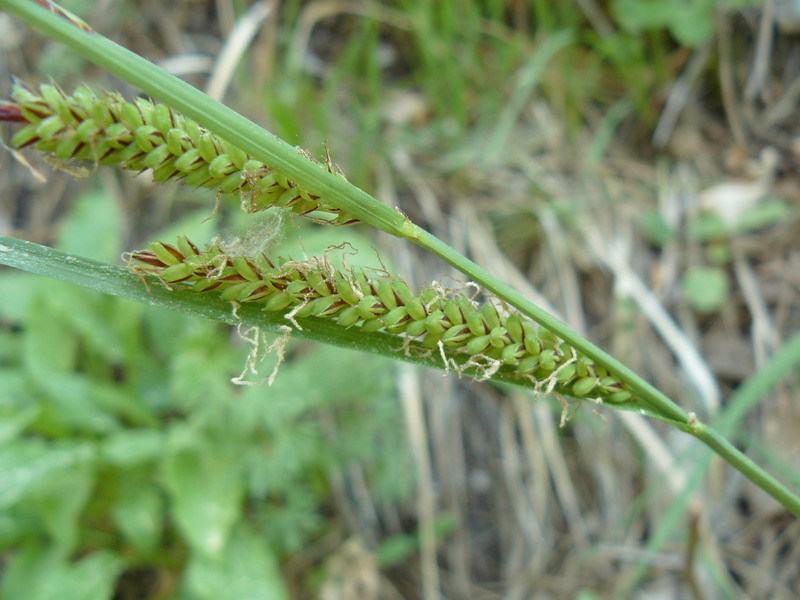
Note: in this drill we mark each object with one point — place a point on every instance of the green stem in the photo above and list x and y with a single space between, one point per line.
711 438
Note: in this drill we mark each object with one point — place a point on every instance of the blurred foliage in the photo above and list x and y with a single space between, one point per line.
125 449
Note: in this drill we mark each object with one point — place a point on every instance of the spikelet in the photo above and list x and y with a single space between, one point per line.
451 325
140 135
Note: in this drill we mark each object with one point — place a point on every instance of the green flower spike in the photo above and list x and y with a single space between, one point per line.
498 341
142 135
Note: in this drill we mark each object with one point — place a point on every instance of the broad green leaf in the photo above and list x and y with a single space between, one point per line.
59 500
205 487
132 447
16 409
72 403
26 463
246 569
16 290
49 347
138 514
38 573
89 316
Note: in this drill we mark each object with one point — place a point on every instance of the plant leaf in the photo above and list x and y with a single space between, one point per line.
246 569
206 489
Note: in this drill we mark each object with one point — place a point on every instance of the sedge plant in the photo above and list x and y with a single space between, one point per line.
186 136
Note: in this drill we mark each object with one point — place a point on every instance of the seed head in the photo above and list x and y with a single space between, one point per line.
142 135
453 325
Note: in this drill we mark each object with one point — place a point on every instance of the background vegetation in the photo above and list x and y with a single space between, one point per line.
630 164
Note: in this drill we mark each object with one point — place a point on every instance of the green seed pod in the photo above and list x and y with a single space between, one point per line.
531 340
609 385
513 325
386 294
131 116
146 137
207 147
566 373
476 324
416 310
548 361
327 306
222 166
348 317
188 161
549 339
177 141
245 268
166 253
436 323
583 387
402 291
456 336
346 292
242 291
369 307
415 328
66 148
192 130
299 291
498 337
477 345
431 340
49 127
165 172
278 302
452 311
618 397
87 130
25 137
118 136
430 299
490 315
157 157
204 285
396 316
371 325
363 283
527 364
186 247
200 177
231 183
177 273
239 157
53 97
512 353
162 118
585 367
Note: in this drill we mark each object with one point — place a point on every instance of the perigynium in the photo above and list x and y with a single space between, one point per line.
104 129
445 323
